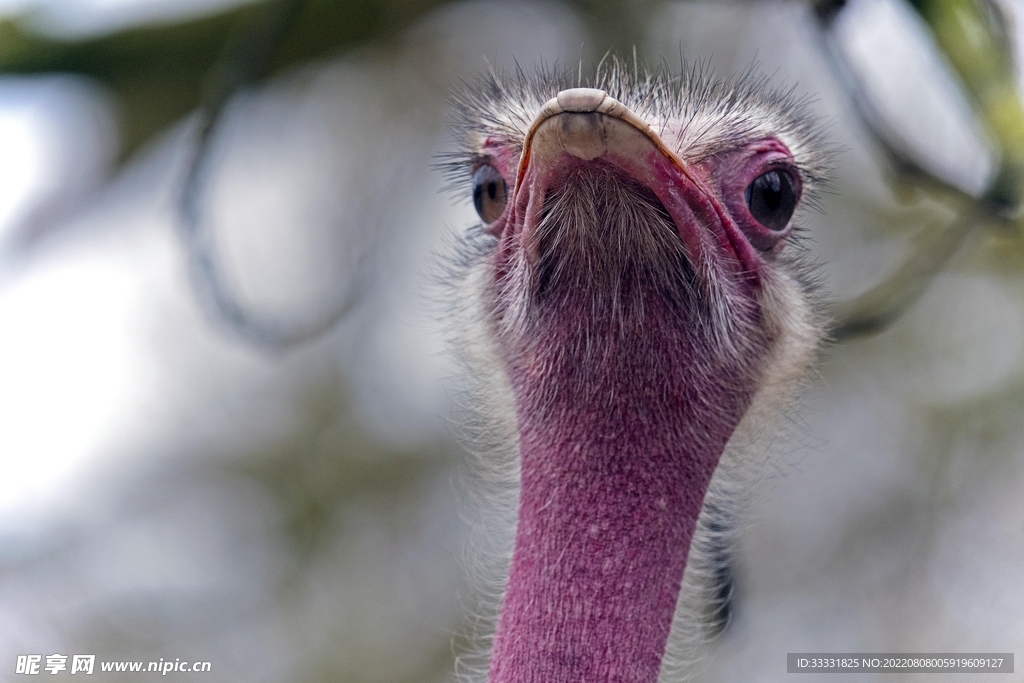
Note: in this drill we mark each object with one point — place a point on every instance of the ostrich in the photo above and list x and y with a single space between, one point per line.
635 323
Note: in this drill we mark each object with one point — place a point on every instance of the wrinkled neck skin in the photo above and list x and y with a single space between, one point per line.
625 399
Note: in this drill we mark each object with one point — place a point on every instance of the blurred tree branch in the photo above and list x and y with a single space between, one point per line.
974 36
246 58
160 73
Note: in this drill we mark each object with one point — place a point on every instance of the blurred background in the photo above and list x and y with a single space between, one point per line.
225 400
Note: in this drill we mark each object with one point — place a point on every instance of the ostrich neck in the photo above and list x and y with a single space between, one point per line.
620 432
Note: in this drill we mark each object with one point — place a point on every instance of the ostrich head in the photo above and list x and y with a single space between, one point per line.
641 314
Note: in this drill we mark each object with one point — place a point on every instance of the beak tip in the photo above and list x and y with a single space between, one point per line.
581 100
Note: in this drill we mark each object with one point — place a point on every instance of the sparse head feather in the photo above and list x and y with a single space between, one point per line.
695 113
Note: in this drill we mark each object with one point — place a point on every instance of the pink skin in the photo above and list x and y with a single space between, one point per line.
614 476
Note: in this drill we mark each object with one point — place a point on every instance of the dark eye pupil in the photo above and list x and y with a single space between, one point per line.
771 199
489 193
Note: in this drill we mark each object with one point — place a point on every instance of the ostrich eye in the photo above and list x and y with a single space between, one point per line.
771 199
489 193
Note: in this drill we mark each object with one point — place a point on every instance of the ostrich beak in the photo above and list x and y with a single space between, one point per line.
587 124
601 125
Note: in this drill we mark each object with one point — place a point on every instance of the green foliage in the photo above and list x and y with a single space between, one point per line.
159 73
973 34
